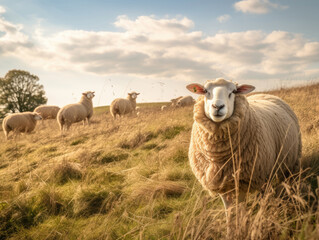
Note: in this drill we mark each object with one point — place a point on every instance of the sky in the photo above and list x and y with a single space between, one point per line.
158 47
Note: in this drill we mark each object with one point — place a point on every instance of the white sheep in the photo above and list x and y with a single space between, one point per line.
163 107
260 131
76 112
20 122
122 106
47 112
185 101
174 101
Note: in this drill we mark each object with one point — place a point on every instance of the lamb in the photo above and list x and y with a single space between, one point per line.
47 112
122 106
20 122
174 101
76 112
260 131
185 101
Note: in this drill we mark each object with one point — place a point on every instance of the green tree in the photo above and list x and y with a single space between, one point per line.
20 91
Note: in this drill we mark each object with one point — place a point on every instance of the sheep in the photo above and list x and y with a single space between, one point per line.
174 101
185 101
163 107
260 131
20 122
76 112
47 112
122 106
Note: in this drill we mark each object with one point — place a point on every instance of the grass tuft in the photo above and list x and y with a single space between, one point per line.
137 140
93 201
154 189
113 157
50 200
65 172
171 132
79 141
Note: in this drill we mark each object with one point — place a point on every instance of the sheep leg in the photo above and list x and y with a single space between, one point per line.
6 134
228 201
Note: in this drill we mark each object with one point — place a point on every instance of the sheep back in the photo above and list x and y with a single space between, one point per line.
19 122
185 101
73 113
121 106
47 112
262 127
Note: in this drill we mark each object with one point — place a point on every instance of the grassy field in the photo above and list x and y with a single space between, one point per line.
131 180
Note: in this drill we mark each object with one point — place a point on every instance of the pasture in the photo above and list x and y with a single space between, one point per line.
130 179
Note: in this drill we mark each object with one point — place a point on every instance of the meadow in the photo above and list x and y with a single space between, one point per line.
130 179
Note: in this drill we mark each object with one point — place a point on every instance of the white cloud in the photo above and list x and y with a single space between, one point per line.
257 6
165 48
2 9
223 18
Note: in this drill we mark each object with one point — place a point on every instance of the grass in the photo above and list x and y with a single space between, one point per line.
132 180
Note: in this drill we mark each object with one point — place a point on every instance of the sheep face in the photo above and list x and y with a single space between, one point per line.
37 116
89 94
133 95
219 97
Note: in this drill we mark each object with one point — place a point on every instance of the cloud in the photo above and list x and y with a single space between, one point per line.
257 6
11 36
2 9
148 47
223 18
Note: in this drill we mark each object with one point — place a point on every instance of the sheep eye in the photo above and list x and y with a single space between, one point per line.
229 95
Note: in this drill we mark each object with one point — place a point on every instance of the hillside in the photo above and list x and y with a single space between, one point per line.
131 179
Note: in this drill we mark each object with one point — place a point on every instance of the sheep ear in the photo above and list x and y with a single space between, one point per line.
244 89
196 88
84 93
137 93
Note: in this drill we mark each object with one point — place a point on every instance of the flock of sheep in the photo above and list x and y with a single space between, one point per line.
82 111
259 135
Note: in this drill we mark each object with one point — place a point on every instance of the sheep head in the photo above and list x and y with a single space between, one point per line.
89 94
133 95
219 97
37 116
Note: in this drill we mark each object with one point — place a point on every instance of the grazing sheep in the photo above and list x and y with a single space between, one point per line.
163 107
122 106
258 137
174 101
185 101
20 122
47 112
76 112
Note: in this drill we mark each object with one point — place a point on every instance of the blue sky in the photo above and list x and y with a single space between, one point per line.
157 47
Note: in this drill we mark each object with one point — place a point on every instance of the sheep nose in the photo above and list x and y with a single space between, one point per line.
218 107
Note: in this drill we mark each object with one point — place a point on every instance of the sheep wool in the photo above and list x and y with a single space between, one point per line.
76 112
175 100
20 122
122 106
47 112
262 127
185 101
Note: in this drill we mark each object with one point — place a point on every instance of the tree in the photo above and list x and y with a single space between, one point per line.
20 92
